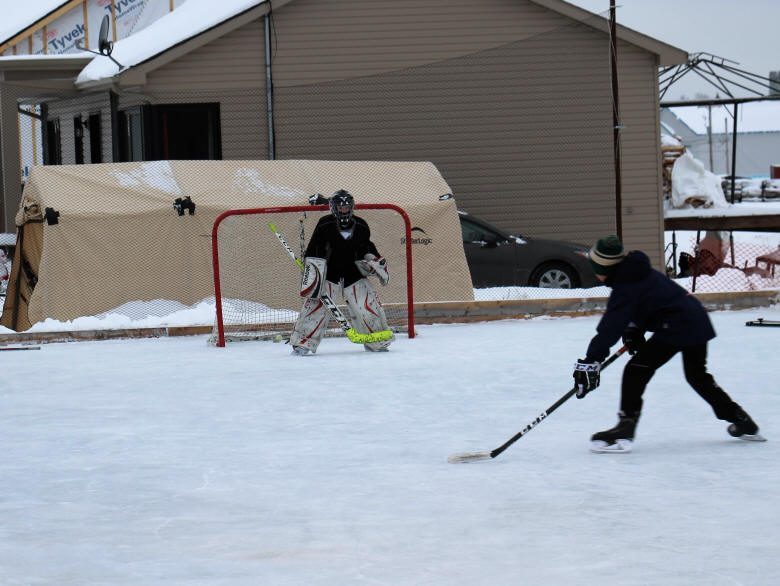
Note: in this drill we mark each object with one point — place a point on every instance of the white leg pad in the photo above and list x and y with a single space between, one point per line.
312 322
367 313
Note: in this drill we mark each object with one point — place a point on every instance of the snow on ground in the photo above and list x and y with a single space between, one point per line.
170 462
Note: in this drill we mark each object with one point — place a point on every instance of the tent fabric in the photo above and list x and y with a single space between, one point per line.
118 239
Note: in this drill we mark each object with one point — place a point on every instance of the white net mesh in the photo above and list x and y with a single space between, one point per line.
258 281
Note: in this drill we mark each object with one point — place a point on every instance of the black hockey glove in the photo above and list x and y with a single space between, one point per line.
634 339
587 377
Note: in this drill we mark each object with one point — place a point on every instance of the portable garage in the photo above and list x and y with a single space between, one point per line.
100 238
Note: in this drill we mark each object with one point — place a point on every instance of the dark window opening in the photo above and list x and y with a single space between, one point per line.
78 139
95 139
186 132
131 135
170 132
52 151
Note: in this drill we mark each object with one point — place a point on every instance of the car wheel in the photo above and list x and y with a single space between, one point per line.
554 275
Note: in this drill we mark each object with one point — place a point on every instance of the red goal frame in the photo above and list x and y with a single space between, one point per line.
220 341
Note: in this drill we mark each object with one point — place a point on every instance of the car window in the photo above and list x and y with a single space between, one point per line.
475 233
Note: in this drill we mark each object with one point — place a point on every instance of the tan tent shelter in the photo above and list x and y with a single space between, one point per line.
93 239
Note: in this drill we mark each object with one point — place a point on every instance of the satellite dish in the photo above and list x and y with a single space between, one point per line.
104 45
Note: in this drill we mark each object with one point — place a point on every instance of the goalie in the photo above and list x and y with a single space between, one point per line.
338 258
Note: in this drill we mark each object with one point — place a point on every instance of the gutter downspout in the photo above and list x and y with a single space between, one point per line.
734 153
269 88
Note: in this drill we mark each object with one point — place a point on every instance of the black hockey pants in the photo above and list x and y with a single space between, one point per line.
654 354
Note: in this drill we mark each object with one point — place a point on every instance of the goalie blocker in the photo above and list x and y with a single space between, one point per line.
312 277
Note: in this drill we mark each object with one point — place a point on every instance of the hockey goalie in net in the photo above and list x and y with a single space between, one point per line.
338 259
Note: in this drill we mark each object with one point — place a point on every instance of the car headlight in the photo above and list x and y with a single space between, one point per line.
583 253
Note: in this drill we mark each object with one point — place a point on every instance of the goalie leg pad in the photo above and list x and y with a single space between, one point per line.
367 312
313 277
311 324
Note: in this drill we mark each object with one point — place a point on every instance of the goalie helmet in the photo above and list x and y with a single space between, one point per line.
341 205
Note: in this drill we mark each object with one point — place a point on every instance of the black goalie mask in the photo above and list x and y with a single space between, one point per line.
341 205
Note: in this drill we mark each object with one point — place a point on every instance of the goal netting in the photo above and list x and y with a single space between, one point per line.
256 282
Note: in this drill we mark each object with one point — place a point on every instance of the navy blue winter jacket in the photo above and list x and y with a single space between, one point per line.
653 302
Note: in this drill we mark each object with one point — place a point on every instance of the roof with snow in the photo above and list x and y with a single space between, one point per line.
194 17
188 20
17 16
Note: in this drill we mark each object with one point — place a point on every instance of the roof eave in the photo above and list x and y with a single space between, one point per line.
135 75
44 62
667 54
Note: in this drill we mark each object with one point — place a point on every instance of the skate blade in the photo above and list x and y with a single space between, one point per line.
752 438
621 446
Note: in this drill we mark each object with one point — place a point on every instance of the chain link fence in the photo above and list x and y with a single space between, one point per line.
717 261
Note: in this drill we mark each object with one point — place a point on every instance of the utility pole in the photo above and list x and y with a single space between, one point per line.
615 120
709 134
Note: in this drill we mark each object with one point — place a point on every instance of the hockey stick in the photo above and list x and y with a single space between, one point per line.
352 334
763 322
474 456
4 348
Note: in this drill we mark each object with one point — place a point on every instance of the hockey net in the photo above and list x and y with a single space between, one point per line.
256 282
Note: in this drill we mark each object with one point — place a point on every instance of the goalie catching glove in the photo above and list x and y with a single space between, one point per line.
374 265
313 277
587 377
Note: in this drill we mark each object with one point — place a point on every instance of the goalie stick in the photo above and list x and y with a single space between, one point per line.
352 334
771 323
8 348
474 456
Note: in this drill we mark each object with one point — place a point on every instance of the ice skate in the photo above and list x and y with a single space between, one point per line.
300 351
619 439
368 348
744 428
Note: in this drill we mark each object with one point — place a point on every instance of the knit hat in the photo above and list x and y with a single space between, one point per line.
606 254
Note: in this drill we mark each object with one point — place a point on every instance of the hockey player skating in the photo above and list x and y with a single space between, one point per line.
644 300
338 258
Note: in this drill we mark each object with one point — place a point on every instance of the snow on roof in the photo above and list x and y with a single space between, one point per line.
752 117
187 21
17 16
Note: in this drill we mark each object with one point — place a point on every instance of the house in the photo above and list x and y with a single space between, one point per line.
510 99
707 132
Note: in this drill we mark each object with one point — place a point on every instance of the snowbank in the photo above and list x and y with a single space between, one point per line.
695 186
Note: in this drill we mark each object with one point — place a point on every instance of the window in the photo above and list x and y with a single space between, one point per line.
52 148
78 139
170 132
95 139
131 135
473 232
186 131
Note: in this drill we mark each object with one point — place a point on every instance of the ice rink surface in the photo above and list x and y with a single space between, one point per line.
170 462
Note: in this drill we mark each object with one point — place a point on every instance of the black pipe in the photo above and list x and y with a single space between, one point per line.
734 154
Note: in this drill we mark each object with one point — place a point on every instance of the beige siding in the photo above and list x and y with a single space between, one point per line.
10 185
66 110
641 156
512 102
233 61
231 71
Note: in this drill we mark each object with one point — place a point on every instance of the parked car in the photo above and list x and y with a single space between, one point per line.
499 259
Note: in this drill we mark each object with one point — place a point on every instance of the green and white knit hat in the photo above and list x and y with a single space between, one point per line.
606 254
